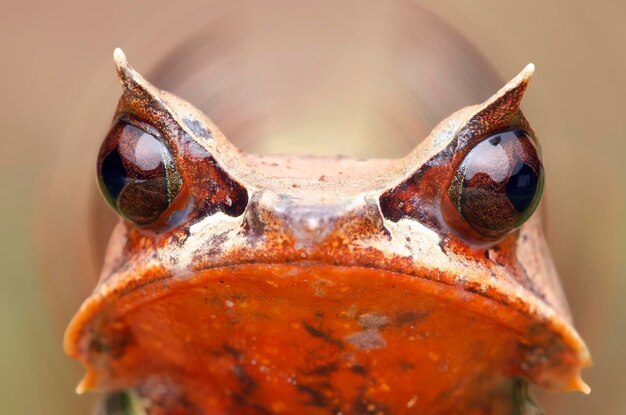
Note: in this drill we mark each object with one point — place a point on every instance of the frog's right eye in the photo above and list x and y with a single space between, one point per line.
137 173
497 186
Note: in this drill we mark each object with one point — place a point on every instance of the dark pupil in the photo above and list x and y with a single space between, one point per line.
137 174
113 173
521 186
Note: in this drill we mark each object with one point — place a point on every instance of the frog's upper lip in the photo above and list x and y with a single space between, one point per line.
121 296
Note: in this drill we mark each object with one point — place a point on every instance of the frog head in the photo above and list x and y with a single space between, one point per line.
239 283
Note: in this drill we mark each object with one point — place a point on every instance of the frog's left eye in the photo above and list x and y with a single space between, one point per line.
137 174
497 186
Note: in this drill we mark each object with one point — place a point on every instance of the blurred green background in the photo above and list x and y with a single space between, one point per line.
282 76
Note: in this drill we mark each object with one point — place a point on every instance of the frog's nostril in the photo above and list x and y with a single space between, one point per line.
310 225
306 223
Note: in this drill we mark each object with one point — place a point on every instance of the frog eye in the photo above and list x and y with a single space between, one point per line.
497 186
136 173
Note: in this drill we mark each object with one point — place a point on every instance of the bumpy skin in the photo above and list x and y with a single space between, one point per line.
314 285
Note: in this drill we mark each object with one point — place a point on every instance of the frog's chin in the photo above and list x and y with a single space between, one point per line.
314 330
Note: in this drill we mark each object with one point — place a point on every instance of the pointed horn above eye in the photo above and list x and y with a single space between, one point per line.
504 104
498 112
137 93
129 78
125 72
121 64
510 96
159 108
134 85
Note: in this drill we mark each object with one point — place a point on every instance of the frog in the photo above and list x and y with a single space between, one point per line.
237 283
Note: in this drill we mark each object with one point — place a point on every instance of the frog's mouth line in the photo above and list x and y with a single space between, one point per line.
553 336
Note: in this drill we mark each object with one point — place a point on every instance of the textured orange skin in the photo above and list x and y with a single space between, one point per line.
313 300
315 339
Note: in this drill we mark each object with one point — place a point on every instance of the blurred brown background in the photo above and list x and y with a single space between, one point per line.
364 78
